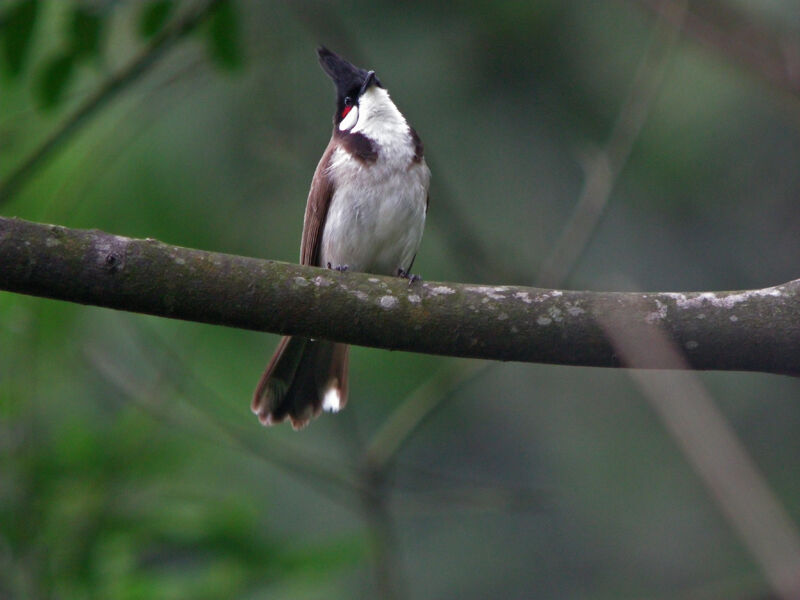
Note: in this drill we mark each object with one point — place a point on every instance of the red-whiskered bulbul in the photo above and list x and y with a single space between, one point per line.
365 212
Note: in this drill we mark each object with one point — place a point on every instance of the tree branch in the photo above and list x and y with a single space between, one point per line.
754 330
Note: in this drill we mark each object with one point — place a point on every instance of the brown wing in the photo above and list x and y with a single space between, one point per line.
302 370
319 198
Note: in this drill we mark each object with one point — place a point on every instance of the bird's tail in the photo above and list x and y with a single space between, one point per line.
304 377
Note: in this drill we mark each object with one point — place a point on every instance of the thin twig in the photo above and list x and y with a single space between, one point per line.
605 167
388 571
742 39
414 410
710 445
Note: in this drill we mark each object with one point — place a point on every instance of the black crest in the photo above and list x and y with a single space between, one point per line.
350 81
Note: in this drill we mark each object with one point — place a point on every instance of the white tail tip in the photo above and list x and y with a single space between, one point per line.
332 401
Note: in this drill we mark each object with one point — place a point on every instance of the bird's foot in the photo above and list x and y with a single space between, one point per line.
403 274
340 268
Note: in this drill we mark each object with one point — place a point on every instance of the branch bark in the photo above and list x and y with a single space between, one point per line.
752 330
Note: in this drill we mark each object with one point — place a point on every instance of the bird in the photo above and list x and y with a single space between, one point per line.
365 212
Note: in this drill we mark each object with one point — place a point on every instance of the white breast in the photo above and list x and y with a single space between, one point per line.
376 216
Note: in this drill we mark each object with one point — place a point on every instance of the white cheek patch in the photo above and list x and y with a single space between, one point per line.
350 120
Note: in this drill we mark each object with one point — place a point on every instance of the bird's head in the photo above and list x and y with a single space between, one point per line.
354 88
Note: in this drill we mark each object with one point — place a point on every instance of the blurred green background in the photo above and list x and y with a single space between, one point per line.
130 464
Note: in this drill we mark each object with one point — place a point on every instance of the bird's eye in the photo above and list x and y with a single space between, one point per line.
348 106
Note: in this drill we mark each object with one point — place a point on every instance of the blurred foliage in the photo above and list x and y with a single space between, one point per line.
223 36
18 22
82 39
154 16
130 465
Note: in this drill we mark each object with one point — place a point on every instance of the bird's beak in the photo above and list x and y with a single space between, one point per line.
367 82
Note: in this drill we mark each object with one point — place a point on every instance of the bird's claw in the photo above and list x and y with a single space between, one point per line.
403 274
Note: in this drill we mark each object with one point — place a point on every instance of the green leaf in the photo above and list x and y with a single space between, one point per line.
153 17
224 36
85 28
53 80
16 34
